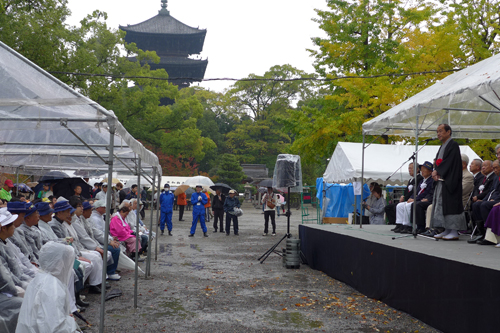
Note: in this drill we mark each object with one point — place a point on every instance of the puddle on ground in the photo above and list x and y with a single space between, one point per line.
170 308
196 247
294 319
166 248
196 265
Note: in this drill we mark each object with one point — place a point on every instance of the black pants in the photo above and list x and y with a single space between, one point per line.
144 243
390 212
270 213
230 217
181 211
219 216
143 213
421 210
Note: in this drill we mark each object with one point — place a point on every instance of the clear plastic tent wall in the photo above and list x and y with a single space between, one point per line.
288 173
468 100
381 161
46 125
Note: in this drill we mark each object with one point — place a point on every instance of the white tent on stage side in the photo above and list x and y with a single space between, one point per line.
380 162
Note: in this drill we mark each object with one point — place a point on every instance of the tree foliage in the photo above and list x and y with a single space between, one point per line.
229 171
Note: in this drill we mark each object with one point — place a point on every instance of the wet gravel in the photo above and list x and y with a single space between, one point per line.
216 284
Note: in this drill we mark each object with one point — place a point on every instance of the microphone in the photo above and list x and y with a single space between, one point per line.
431 139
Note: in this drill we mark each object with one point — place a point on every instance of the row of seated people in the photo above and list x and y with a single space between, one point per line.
31 234
401 213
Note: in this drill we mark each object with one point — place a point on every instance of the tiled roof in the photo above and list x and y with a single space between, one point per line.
162 24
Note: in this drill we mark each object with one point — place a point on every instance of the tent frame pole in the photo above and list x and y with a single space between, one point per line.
157 214
137 235
148 263
362 179
112 129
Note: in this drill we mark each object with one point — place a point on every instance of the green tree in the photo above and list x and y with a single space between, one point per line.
230 172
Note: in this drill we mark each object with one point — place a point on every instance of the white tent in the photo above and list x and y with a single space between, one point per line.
468 100
46 125
380 162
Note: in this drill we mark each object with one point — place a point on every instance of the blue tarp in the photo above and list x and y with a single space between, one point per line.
340 198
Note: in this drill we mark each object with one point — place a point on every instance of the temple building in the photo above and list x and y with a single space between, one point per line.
174 42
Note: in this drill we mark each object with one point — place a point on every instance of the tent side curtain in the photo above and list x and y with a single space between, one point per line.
467 100
46 123
339 199
380 162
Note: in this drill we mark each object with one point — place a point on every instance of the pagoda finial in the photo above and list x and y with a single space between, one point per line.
163 10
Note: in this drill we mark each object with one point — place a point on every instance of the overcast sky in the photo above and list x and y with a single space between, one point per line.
243 37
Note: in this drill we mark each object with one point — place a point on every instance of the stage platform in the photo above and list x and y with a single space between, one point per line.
450 285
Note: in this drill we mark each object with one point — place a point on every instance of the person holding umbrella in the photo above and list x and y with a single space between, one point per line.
218 209
181 202
166 207
199 200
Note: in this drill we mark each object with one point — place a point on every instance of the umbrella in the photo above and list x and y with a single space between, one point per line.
224 188
266 183
262 190
189 192
64 188
199 180
53 175
114 181
181 189
23 188
280 198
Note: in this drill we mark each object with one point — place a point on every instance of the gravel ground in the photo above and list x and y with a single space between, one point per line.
216 284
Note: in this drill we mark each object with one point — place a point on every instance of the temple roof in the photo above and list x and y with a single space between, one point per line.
163 24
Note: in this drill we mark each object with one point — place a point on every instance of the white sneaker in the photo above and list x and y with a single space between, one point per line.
264 234
114 277
498 245
274 234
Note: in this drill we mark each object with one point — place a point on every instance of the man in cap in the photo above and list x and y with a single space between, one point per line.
102 194
62 210
97 223
230 203
198 200
7 187
20 208
166 207
86 234
45 213
31 235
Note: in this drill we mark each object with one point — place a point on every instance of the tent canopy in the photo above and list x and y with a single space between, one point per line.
468 100
380 162
46 125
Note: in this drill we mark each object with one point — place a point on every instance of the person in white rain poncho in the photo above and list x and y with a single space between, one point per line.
46 305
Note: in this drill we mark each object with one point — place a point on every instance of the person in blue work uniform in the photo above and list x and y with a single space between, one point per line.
230 203
198 200
166 206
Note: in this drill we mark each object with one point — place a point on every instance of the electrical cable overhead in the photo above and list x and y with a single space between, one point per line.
114 76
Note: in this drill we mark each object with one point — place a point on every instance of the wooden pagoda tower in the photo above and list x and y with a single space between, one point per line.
173 42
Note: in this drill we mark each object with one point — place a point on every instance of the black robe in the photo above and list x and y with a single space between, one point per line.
450 169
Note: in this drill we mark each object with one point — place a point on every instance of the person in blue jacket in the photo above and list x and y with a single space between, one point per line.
166 206
229 204
198 200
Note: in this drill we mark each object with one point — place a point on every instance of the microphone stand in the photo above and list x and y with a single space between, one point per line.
414 227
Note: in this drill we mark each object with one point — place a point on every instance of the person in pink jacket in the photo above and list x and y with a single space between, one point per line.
121 230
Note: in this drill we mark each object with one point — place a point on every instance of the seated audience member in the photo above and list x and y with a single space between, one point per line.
45 192
89 244
10 302
121 230
475 168
5 191
20 275
62 210
32 235
390 210
482 207
377 206
132 222
45 212
425 192
20 208
46 306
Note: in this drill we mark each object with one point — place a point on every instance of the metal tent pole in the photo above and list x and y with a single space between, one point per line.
157 214
17 182
112 129
362 179
414 214
148 263
137 235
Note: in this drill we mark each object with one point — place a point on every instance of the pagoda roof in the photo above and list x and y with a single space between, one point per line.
163 24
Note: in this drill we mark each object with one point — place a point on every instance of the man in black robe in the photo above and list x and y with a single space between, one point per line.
448 211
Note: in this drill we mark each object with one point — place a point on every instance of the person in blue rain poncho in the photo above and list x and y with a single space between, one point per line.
198 200
167 205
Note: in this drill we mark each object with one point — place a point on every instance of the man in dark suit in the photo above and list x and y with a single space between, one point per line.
482 207
424 197
390 210
475 168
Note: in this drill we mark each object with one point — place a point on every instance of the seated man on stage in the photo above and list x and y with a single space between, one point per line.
390 210
479 196
424 197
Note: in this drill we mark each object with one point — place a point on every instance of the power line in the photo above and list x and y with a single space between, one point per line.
258 79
